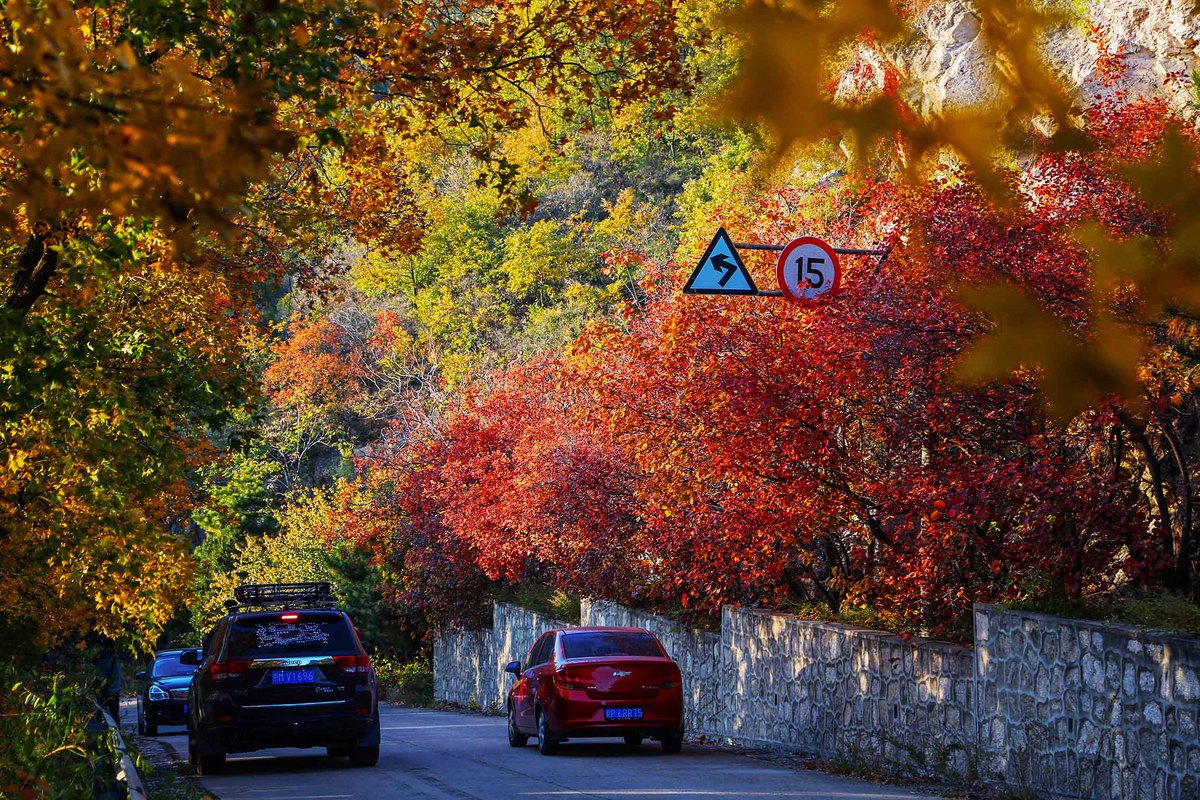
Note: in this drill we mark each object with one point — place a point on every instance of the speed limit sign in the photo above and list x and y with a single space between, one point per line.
808 268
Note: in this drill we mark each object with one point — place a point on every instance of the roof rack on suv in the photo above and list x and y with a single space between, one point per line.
275 595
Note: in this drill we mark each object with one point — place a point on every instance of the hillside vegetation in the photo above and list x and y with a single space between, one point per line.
390 295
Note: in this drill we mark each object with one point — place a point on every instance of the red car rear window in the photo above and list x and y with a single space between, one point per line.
597 644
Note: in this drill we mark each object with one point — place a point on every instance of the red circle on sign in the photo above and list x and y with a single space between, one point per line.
812 260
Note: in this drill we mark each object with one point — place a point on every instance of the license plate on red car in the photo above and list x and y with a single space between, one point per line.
616 714
293 676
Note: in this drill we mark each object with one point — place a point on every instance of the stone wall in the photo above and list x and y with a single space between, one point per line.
468 666
698 653
1065 708
1083 709
847 692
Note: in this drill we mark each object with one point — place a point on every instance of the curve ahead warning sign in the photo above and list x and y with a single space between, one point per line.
808 268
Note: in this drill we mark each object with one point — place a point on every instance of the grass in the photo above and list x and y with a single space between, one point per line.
858 616
1164 611
165 784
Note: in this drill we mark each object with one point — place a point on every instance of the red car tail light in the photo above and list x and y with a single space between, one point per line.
224 670
354 665
570 679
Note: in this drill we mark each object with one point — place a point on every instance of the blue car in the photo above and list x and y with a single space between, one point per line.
163 697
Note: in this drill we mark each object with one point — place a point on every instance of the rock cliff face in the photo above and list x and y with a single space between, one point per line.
1154 45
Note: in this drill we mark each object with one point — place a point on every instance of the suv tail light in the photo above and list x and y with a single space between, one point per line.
354 665
569 678
224 670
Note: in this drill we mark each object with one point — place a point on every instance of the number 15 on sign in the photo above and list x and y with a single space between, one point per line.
808 268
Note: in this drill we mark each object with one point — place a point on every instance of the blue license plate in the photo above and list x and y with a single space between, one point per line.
286 676
622 713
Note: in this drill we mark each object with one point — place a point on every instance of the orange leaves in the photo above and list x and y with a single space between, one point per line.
98 132
312 367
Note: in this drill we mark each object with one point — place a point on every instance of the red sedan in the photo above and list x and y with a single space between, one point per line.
590 682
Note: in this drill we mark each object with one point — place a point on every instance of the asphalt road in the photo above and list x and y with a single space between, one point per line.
441 754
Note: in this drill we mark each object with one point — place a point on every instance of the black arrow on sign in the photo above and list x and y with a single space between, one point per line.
721 261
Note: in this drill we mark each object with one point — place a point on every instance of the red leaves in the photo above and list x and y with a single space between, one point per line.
703 451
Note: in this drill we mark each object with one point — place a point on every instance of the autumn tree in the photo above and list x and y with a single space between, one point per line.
161 162
712 450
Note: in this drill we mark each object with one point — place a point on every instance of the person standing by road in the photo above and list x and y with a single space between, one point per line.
107 680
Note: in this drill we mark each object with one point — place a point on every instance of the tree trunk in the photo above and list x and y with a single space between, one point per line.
35 268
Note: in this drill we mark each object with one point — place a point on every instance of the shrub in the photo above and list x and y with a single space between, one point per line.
1164 611
47 750
553 603
410 684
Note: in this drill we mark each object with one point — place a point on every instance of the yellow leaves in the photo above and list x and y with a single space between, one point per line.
787 62
1015 30
124 57
300 35
795 48
1076 368
1172 182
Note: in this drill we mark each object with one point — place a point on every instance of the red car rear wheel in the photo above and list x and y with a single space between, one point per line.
547 744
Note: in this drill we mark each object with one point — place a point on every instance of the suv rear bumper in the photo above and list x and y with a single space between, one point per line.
296 730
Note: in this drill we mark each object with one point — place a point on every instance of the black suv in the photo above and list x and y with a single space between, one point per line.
285 668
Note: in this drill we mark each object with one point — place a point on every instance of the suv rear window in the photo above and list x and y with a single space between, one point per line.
271 634
597 644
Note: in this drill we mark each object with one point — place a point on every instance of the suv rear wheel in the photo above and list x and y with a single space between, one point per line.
364 756
211 762
207 760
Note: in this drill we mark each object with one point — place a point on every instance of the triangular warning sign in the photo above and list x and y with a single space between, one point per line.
720 270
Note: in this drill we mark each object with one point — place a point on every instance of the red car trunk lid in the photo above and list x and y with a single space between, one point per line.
618 678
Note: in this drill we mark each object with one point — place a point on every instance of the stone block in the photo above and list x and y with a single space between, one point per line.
1093 673
1186 723
1186 684
1070 644
1112 673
